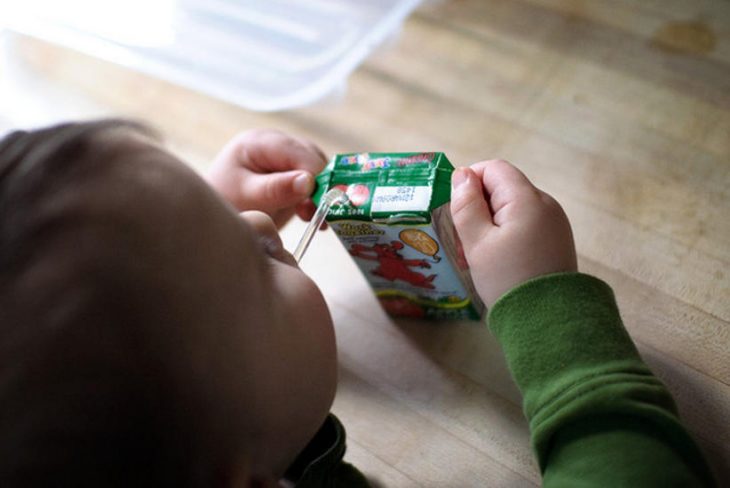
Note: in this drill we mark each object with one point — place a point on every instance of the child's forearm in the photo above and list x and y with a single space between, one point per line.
597 414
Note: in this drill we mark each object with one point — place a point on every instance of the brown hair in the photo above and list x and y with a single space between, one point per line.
83 400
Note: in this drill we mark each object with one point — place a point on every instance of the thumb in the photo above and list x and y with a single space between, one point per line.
469 209
274 191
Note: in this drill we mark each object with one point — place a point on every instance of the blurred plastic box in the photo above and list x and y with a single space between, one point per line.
263 55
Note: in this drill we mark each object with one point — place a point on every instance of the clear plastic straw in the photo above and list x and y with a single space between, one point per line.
332 197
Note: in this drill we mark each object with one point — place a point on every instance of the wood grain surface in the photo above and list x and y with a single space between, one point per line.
620 109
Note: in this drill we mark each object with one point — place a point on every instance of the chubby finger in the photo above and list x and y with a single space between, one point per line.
268 150
469 209
314 148
275 191
306 211
504 183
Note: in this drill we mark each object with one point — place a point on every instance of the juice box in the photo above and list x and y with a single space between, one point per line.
397 226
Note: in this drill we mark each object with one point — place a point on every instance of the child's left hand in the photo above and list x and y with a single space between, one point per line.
269 171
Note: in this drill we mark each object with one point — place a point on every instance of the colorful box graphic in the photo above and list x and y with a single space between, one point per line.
398 228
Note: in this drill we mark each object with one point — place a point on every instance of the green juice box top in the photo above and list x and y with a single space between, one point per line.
397 226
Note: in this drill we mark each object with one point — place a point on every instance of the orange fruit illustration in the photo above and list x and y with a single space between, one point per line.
420 241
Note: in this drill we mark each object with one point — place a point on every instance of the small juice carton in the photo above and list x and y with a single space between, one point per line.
397 226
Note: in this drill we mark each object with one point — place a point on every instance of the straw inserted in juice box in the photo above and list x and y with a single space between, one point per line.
332 197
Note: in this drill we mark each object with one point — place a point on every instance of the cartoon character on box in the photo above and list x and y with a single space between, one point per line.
392 266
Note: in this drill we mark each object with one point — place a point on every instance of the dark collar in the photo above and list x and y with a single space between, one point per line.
320 462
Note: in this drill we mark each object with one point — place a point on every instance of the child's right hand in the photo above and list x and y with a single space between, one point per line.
511 231
269 171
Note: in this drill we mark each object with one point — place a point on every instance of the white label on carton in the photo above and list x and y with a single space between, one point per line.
400 198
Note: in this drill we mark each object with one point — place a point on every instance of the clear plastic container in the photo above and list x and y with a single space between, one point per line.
261 54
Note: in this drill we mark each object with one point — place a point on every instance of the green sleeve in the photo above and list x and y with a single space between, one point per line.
597 415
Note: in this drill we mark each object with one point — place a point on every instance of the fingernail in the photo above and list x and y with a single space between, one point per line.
303 184
459 177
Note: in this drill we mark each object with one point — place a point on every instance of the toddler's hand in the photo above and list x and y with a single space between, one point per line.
510 230
269 171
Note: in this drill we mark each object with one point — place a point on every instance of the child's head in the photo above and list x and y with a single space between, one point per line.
149 335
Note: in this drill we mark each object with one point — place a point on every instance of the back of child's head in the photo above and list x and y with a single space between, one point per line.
92 384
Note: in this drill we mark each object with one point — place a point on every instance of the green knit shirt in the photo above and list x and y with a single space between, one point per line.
597 415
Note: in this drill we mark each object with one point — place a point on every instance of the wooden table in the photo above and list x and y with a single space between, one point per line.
620 109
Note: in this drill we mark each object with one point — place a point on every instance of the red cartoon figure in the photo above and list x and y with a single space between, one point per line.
391 264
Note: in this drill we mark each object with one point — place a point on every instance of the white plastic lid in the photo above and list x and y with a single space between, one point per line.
263 55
